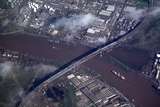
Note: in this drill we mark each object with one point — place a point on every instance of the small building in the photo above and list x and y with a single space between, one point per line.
105 13
90 30
111 8
156 71
70 76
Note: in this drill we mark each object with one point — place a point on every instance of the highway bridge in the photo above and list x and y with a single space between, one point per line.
39 84
78 61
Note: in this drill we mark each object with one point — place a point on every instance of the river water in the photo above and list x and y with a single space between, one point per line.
137 88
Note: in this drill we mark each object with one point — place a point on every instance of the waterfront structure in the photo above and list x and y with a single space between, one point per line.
156 71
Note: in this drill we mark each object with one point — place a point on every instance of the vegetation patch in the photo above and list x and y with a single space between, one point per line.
4 4
142 3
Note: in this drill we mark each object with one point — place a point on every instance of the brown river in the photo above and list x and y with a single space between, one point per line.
137 88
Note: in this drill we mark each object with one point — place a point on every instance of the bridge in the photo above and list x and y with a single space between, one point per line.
39 84
78 61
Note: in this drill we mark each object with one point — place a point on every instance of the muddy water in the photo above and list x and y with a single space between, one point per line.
135 87
130 56
41 47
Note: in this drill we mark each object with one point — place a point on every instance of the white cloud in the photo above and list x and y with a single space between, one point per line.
139 13
75 22
102 39
155 11
134 13
5 68
42 69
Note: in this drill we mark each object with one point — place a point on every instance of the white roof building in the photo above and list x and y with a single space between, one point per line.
70 76
90 30
158 55
105 13
33 6
111 8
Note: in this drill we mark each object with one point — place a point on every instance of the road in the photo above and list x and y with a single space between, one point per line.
83 58
71 65
138 88
79 60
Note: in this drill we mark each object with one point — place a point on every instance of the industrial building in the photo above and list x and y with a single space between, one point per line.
156 71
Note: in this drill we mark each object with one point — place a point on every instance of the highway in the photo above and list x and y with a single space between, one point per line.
82 58
138 88
79 60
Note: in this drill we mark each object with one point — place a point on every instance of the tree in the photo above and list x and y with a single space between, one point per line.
4 4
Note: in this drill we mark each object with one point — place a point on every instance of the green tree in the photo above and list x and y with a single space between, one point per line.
142 3
4 4
69 97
